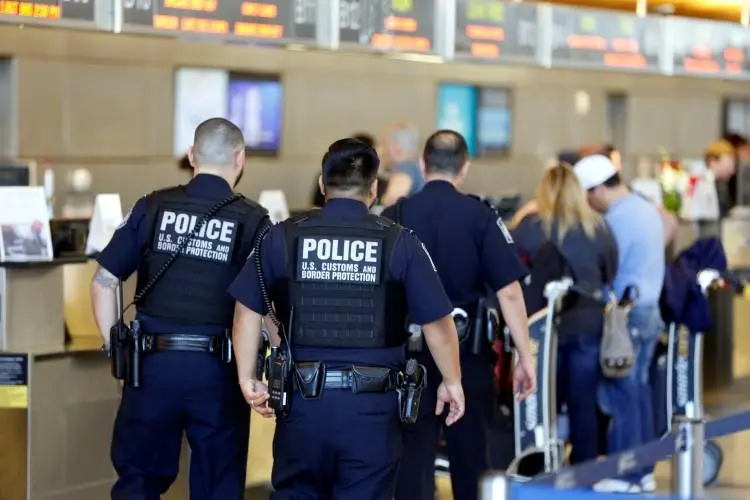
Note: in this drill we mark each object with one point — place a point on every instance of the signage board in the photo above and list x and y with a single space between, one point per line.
389 25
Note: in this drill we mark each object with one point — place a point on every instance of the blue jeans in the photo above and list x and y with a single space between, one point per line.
578 375
628 401
645 327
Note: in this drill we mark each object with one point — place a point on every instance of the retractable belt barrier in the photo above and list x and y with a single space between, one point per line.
684 444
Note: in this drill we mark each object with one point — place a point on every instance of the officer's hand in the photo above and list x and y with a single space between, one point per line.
452 394
524 378
256 395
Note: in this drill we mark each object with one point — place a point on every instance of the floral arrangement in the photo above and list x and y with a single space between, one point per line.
675 183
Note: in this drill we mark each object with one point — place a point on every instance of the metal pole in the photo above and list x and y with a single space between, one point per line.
687 463
494 486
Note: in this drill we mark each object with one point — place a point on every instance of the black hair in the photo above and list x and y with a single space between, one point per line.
735 139
350 165
445 152
366 138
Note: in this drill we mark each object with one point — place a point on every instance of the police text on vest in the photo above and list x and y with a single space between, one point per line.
213 241
339 260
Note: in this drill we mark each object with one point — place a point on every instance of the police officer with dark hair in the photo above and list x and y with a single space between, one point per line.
472 249
341 282
187 244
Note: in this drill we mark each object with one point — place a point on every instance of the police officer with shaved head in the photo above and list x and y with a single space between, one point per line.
472 251
186 244
341 282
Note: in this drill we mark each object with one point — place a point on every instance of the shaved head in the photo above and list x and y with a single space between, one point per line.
445 152
217 143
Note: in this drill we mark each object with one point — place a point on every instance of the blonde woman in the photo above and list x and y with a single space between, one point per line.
562 215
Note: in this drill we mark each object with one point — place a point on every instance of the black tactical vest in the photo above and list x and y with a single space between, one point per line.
339 286
194 288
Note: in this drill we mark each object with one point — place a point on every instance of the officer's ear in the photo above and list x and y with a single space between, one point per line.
321 186
374 189
422 167
463 172
191 156
239 160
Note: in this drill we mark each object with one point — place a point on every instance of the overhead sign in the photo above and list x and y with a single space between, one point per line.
267 20
710 48
398 25
52 10
599 39
494 29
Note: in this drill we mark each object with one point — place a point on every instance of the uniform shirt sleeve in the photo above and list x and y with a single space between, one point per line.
500 259
425 295
122 255
246 286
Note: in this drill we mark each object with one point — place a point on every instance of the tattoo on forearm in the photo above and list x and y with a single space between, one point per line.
105 278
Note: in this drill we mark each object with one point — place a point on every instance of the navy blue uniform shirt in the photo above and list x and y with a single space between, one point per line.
122 255
468 242
410 263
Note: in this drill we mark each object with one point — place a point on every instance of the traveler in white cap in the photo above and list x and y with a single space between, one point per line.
639 233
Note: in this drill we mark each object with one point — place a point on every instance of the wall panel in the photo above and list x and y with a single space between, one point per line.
106 102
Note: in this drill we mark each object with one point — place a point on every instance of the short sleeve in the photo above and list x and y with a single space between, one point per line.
500 260
122 255
246 288
425 294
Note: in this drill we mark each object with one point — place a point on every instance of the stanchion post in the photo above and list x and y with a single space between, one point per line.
494 486
687 462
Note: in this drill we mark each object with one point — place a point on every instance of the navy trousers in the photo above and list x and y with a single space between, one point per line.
466 439
182 392
342 446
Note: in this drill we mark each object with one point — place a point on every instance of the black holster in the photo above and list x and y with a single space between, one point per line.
119 350
411 386
484 328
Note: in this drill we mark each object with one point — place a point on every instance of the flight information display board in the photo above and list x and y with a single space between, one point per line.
494 29
266 20
599 39
67 10
398 25
710 48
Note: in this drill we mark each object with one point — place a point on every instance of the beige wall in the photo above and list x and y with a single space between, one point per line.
106 102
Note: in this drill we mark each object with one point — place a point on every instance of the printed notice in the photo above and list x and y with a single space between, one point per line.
339 260
14 379
214 241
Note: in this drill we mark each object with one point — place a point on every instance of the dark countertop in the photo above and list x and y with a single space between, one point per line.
58 261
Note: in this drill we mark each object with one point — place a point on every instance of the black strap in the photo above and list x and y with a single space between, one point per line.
211 211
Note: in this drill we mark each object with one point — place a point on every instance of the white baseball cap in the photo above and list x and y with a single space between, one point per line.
594 170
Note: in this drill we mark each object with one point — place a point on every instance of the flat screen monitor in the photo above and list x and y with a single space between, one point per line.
255 104
17 173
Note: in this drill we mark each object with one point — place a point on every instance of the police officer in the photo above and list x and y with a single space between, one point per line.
471 249
187 382
341 282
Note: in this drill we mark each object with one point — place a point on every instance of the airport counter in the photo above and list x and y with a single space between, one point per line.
58 400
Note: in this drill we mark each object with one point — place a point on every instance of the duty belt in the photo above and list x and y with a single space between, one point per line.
212 344
313 377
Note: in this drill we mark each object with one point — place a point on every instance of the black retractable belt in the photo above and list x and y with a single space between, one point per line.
128 342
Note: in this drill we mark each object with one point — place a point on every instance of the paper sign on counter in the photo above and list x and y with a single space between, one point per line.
107 216
24 224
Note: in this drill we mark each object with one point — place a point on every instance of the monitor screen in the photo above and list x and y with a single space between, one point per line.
16 174
255 104
200 94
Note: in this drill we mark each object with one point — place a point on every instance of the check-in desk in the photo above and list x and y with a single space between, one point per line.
55 431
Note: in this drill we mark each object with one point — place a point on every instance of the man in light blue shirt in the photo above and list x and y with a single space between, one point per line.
639 232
